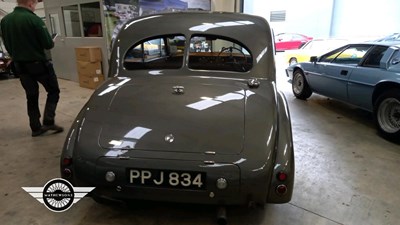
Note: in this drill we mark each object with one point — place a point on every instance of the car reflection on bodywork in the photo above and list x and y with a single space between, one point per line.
210 124
366 75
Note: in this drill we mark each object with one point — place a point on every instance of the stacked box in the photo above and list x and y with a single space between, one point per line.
88 62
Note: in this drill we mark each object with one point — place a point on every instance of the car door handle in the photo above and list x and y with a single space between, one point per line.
344 72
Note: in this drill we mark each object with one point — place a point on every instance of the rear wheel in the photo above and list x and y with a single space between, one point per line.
300 86
387 114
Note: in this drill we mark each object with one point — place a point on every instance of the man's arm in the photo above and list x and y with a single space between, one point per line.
44 36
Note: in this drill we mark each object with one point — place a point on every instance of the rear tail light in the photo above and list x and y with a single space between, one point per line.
281 189
281 176
67 161
67 173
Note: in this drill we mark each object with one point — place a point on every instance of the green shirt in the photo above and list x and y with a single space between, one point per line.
25 35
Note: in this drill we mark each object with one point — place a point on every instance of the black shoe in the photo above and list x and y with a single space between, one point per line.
55 128
38 132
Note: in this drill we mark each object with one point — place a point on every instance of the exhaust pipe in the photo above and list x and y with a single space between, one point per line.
221 216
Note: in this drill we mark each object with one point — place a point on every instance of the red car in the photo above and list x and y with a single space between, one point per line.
287 41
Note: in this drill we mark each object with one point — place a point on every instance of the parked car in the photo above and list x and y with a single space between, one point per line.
315 47
366 75
5 61
287 41
193 127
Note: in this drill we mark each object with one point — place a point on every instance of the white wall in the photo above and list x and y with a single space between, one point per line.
309 17
331 18
366 18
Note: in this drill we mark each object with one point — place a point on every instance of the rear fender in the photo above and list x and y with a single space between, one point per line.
284 157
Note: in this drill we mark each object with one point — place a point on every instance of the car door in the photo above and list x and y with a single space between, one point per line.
363 79
282 41
334 69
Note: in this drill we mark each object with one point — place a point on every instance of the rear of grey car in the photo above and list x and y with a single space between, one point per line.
200 121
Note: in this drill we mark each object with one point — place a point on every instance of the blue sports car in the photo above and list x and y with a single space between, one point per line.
366 75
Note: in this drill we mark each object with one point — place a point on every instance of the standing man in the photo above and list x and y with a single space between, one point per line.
26 38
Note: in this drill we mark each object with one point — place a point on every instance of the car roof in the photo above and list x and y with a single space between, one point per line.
386 43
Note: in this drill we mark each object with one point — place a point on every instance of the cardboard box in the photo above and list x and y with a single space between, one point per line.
88 54
90 81
89 68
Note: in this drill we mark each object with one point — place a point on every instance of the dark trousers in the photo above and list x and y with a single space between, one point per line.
31 74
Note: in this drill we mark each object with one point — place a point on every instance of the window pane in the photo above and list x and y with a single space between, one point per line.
164 52
352 55
91 19
218 53
331 56
55 23
71 20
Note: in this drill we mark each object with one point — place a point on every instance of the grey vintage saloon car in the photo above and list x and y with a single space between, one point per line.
198 119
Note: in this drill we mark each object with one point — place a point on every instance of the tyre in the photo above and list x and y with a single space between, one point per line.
387 114
292 61
300 86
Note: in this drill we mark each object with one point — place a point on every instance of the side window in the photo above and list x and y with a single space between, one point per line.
351 55
72 21
164 52
331 56
54 23
218 53
374 57
91 19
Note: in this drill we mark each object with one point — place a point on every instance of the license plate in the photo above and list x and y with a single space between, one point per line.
167 178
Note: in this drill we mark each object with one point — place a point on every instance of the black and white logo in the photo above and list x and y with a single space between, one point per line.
58 195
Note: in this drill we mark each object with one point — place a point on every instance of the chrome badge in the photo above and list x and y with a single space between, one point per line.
178 90
169 138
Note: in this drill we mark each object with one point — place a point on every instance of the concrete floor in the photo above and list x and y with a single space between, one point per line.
345 172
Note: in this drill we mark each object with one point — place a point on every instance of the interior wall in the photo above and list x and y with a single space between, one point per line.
309 17
223 5
353 19
357 19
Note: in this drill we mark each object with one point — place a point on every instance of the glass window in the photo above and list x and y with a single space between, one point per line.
71 20
218 53
331 56
91 19
351 55
374 57
164 52
55 23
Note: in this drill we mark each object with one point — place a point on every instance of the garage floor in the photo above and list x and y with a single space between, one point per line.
345 172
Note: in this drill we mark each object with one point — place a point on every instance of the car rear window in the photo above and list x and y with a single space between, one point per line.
218 53
162 52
